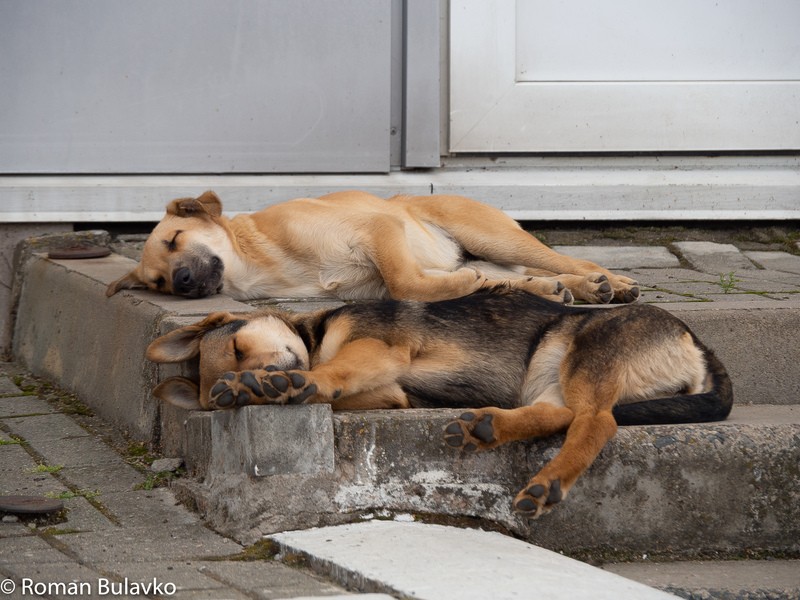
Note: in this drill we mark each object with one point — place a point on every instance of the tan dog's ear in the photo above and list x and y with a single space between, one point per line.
129 282
180 392
184 343
208 203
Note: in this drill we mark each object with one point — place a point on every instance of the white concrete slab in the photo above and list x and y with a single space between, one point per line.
435 562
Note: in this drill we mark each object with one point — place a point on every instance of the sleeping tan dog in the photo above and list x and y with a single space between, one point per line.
354 246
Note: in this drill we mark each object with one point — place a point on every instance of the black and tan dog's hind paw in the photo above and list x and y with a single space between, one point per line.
538 498
471 432
261 387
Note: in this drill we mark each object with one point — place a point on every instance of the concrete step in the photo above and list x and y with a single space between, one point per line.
668 489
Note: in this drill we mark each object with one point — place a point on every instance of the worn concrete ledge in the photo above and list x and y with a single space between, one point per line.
717 487
685 489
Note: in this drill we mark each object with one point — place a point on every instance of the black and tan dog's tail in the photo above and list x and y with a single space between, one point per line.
713 405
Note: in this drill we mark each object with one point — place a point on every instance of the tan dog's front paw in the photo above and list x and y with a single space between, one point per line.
626 290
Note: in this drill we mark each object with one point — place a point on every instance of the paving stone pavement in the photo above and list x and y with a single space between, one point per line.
700 271
113 531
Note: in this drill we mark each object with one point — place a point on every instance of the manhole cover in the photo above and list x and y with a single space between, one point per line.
29 505
80 251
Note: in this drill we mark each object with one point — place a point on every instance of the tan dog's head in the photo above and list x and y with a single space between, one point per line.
226 342
185 254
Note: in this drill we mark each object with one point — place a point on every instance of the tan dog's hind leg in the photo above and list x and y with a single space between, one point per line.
357 368
489 233
403 276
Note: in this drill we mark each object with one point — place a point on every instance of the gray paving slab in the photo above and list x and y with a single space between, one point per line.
23 481
13 529
718 579
672 274
433 562
269 579
186 575
711 257
28 550
53 426
110 477
74 451
622 257
765 285
137 507
8 387
82 515
62 572
17 406
778 261
149 542
663 296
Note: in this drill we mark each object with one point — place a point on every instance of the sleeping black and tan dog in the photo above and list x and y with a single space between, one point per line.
523 367
356 246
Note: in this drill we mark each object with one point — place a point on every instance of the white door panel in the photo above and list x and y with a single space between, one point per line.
624 75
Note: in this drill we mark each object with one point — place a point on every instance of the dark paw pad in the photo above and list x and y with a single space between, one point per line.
538 499
554 497
221 395
484 430
249 380
453 435
537 491
303 395
279 382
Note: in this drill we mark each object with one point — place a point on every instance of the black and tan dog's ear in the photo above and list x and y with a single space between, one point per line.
180 392
208 203
184 343
131 281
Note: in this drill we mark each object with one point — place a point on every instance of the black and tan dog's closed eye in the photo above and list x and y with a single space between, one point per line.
520 367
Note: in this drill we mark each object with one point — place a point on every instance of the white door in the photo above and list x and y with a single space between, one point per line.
624 75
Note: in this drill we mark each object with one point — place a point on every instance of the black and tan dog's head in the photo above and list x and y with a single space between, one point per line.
225 342
185 254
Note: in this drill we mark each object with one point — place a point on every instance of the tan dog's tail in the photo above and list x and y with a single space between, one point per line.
713 405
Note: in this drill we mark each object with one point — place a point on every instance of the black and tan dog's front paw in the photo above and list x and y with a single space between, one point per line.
471 432
261 387
228 392
538 498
